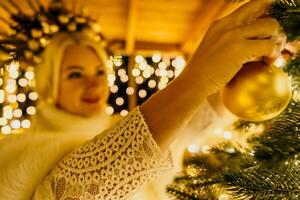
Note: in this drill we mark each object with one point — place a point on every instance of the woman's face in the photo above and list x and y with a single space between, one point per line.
83 87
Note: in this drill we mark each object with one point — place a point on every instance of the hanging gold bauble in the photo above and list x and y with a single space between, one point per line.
258 92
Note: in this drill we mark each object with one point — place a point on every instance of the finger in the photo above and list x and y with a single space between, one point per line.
281 41
257 49
250 11
261 28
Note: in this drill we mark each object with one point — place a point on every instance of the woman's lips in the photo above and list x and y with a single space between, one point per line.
91 100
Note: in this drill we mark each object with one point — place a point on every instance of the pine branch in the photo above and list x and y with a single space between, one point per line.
289 164
31 5
5 8
222 157
234 157
292 68
263 184
196 182
180 194
287 12
15 6
189 188
282 139
242 125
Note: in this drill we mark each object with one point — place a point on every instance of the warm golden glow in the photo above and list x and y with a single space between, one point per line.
258 92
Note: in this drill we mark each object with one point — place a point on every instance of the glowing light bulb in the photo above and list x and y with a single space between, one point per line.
156 58
161 85
17 113
6 130
139 80
2 96
117 60
136 72
147 74
31 110
23 82
179 62
121 72
29 75
162 65
227 135
111 77
124 113
7 108
163 72
33 96
142 93
130 91
124 79
12 98
21 97
109 110
193 148
139 59
8 114
10 88
25 123
119 101
114 89
152 84
3 121
143 65
16 124
170 74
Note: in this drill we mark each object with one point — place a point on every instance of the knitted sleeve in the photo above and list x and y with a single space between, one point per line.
110 166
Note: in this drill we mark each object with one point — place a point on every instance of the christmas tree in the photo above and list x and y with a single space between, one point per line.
267 165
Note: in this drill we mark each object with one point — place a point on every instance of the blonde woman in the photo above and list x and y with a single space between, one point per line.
73 153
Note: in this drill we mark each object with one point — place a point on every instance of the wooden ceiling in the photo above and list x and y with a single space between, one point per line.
148 25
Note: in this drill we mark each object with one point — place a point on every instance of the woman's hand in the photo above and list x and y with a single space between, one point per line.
245 35
230 42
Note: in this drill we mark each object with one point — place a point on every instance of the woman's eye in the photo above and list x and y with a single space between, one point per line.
74 75
100 73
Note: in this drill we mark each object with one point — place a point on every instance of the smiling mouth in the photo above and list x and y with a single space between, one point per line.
91 100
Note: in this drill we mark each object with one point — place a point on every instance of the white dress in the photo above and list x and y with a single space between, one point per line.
67 167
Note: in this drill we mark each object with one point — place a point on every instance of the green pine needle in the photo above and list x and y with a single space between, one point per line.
287 12
263 184
282 138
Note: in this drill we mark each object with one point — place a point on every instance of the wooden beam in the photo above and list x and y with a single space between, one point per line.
131 27
217 10
129 49
206 16
143 47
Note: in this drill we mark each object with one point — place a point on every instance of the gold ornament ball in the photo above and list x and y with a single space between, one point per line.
258 92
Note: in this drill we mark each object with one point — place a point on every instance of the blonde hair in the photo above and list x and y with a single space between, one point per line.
48 71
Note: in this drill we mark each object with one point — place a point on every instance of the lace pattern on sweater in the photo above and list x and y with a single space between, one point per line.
111 165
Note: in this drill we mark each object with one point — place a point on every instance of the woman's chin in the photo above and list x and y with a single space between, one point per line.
90 110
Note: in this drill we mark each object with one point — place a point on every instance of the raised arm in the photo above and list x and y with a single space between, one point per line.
230 42
132 152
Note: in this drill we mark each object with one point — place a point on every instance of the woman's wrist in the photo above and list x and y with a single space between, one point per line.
197 81
170 109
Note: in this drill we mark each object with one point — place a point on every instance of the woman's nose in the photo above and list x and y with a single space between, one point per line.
93 82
